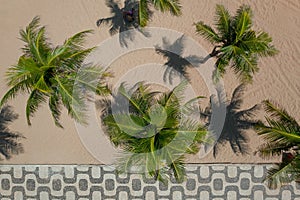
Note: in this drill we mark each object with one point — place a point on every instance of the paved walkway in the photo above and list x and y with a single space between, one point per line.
204 181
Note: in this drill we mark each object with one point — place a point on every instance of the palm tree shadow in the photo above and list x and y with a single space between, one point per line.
236 123
118 24
176 63
9 144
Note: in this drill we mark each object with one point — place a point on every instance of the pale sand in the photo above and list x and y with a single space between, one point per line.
278 78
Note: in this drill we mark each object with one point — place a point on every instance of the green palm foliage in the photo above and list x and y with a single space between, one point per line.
282 135
49 74
155 134
173 6
236 44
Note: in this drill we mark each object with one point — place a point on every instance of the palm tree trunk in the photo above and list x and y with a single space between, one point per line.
215 52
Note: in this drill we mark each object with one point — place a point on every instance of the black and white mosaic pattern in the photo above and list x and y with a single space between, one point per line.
204 181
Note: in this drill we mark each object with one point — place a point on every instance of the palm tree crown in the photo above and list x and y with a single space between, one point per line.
236 43
282 135
173 6
49 73
154 133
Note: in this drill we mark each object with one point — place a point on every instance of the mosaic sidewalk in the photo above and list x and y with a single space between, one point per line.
69 182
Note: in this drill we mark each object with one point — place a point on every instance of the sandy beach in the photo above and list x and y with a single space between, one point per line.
278 78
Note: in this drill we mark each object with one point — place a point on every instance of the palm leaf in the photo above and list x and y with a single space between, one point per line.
33 103
13 91
143 13
269 149
24 70
174 96
91 79
178 169
76 41
279 174
223 21
129 124
42 86
168 5
72 100
207 32
220 70
245 66
281 134
55 108
259 43
242 21
134 102
278 131
278 113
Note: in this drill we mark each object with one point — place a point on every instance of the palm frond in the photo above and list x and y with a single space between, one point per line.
92 79
37 45
280 174
76 41
72 100
137 104
245 66
25 68
223 21
55 54
220 70
33 102
31 30
129 124
282 133
242 21
173 97
55 108
268 149
158 116
279 113
258 43
13 91
191 106
168 5
207 32
277 131
143 13
177 167
42 86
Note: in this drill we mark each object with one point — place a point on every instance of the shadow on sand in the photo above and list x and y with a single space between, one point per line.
119 25
176 62
236 123
9 144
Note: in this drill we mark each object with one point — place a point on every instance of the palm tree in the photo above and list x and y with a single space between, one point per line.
173 6
49 73
282 135
236 43
154 133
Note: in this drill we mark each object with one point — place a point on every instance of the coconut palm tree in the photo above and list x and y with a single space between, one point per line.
236 43
282 135
50 73
173 6
155 133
